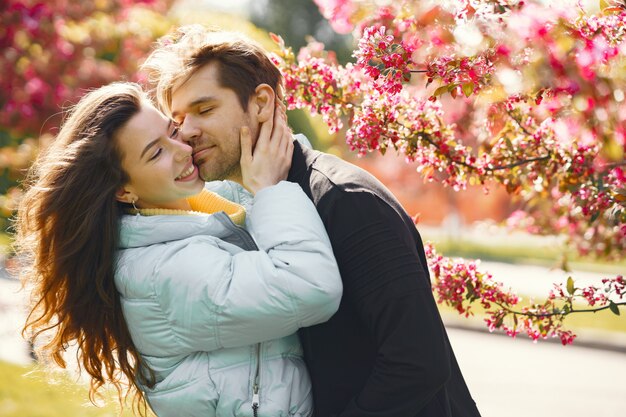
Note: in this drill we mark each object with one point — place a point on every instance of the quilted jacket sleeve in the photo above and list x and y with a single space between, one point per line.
218 296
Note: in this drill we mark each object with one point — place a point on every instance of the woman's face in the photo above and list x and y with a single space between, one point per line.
158 163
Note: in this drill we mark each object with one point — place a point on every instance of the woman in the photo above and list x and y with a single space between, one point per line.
152 277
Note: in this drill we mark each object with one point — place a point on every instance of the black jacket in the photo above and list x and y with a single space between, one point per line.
385 353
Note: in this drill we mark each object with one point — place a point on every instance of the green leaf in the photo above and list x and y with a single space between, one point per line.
604 4
509 144
468 89
594 217
614 308
470 291
570 286
601 184
440 90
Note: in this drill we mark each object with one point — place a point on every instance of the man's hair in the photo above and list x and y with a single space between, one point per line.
242 64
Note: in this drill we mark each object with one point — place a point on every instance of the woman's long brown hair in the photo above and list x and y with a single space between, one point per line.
67 237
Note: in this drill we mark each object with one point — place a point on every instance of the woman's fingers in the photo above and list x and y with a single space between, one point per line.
266 134
279 123
270 160
245 140
281 108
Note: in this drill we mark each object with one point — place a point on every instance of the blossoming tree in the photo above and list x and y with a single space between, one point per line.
510 93
477 92
50 54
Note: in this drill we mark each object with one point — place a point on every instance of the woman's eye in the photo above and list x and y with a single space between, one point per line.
156 154
205 110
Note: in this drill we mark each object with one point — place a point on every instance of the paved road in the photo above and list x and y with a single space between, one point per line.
508 378
12 314
518 378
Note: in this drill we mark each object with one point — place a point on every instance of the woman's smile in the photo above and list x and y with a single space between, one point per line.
189 174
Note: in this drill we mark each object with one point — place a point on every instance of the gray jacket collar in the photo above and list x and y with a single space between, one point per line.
138 231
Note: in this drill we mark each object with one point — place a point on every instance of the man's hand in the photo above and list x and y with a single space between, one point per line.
272 155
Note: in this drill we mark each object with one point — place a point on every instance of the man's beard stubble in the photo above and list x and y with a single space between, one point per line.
233 173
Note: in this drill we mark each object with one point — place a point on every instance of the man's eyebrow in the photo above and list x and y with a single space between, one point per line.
201 100
154 142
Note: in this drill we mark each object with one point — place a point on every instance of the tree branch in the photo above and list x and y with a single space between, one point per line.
561 312
519 163
518 123
493 168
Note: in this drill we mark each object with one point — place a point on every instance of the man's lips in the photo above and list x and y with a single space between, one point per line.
202 154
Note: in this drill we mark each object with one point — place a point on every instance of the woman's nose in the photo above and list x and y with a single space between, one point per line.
182 150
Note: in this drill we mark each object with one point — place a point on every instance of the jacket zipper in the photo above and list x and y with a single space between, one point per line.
255 386
249 240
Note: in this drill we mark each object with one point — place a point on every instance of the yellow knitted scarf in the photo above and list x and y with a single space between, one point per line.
206 202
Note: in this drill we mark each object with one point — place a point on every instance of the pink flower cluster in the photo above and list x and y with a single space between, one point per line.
613 292
316 82
386 62
609 26
459 284
381 119
466 75
339 13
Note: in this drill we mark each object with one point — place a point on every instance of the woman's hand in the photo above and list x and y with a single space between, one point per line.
271 159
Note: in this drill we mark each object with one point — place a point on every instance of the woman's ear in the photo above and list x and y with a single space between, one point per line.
263 102
124 195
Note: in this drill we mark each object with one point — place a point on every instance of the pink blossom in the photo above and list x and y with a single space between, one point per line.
338 12
535 108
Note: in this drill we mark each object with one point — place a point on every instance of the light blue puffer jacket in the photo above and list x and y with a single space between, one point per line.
197 304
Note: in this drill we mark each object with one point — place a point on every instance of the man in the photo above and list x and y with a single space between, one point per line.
385 353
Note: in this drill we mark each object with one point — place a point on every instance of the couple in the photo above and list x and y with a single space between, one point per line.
211 303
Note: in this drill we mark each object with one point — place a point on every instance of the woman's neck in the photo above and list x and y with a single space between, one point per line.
181 204
205 202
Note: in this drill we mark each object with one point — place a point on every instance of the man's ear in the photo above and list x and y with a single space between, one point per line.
125 195
263 102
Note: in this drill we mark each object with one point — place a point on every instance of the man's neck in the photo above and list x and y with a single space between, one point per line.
238 179
235 176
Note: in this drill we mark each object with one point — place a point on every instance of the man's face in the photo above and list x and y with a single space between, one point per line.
210 117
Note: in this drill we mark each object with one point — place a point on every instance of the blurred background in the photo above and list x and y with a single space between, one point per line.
52 52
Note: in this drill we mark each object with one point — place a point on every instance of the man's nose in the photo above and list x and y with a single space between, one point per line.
189 130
